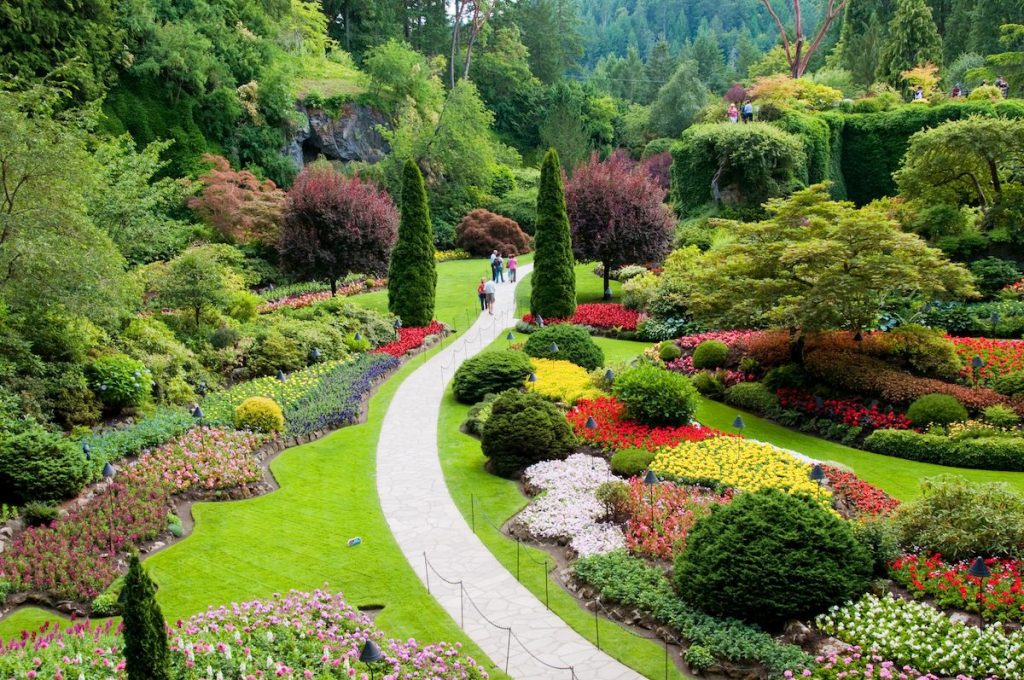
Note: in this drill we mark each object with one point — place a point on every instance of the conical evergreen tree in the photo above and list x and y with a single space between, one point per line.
554 280
912 40
412 275
860 41
657 71
145 634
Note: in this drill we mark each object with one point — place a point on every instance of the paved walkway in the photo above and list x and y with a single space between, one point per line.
424 520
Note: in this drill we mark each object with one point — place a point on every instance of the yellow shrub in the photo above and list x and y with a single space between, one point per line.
259 414
562 381
738 463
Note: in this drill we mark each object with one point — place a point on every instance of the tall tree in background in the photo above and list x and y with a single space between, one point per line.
798 51
706 50
912 40
617 215
335 225
679 101
985 21
412 275
146 655
660 66
550 31
554 279
862 36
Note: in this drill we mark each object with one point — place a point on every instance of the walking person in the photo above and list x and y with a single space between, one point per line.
494 257
512 266
734 113
499 270
489 290
482 294
748 111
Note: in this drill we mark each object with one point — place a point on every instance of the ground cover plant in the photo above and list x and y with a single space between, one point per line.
561 381
296 296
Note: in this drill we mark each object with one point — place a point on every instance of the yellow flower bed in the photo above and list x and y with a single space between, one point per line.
738 463
562 381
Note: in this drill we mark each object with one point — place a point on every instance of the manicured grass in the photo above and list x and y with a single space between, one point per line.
589 288
457 303
493 501
28 618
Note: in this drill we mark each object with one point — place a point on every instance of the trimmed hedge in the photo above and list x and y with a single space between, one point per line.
524 428
490 373
574 344
754 397
982 453
259 414
631 462
940 409
656 396
710 354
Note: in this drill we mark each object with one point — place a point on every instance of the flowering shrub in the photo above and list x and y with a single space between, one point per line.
951 586
607 315
855 663
300 635
308 297
614 432
568 510
851 412
730 338
206 458
926 639
999 357
410 339
863 498
660 530
561 381
71 557
455 254
737 463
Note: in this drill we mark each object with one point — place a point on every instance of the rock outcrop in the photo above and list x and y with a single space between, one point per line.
352 135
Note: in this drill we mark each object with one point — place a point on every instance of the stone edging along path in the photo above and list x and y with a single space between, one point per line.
428 526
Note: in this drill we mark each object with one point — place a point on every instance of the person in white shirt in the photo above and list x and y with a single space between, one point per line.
489 290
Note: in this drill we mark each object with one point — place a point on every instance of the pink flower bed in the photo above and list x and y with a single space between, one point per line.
660 530
730 338
306 299
409 339
207 458
607 315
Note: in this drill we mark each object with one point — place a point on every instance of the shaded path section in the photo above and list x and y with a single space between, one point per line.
429 527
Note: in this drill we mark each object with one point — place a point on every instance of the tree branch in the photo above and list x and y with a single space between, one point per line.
782 30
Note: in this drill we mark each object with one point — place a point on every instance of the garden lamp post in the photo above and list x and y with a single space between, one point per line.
995 321
554 348
510 337
609 375
608 293
540 321
281 375
87 450
532 378
359 336
980 570
370 654
591 423
108 474
650 479
197 413
202 389
738 424
314 355
398 325
818 475
976 363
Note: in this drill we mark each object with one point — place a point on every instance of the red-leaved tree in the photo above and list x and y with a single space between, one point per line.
659 167
335 225
480 232
238 204
617 214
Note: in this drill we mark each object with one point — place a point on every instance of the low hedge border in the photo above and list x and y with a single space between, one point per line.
1003 454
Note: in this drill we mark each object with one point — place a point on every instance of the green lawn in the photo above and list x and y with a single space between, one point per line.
589 288
494 500
457 302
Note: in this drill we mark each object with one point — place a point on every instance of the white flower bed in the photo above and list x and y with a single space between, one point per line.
567 510
916 634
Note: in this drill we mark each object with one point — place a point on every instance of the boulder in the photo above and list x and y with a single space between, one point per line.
352 135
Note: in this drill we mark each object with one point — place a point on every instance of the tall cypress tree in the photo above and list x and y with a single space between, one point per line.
412 275
554 280
912 40
146 656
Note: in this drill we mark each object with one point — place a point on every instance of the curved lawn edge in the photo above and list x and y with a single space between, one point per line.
489 501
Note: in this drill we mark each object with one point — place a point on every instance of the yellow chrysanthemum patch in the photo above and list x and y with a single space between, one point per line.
562 381
741 464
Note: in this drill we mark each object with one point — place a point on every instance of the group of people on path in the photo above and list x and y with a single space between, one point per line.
747 112
487 288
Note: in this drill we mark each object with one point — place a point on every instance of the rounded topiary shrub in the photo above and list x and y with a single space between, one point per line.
655 396
752 396
481 232
119 381
769 556
573 342
490 373
524 428
669 351
936 409
710 354
259 414
37 465
631 462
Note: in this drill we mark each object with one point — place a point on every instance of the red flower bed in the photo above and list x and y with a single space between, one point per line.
70 558
851 412
864 498
951 586
660 530
614 432
409 339
999 356
598 315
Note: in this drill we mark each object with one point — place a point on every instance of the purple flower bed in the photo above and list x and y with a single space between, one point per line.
337 400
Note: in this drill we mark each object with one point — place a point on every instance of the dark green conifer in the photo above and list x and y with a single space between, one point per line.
412 276
145 634
912 41
554 281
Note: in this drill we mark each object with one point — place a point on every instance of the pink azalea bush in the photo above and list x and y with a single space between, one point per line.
205 458
299 635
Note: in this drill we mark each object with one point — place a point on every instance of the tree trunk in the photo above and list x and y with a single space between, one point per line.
796 346
607 280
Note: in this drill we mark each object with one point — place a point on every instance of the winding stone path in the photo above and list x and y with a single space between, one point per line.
425 521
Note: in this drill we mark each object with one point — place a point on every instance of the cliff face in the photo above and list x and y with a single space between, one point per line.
350 136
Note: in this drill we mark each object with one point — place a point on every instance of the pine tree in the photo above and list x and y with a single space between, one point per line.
658 70
146 656
912 40
412 276
860 41
554 281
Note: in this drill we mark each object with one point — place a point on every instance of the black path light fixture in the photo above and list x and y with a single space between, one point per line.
650 480
510 337
202 388
398 323
817 475
980 571
995 321
540 321
315 355
87 450
281 375
108 474
198 414
738 423
591 423
608 293
554 348
609 375
976 365
370 655
532 378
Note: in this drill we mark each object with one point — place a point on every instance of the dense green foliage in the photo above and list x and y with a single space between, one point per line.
631 462
40 465
573 344
769 556
710 354
489 373
146 652
912 40
524 428
554 282
984 453
753 396
412 275
656 396
936 409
